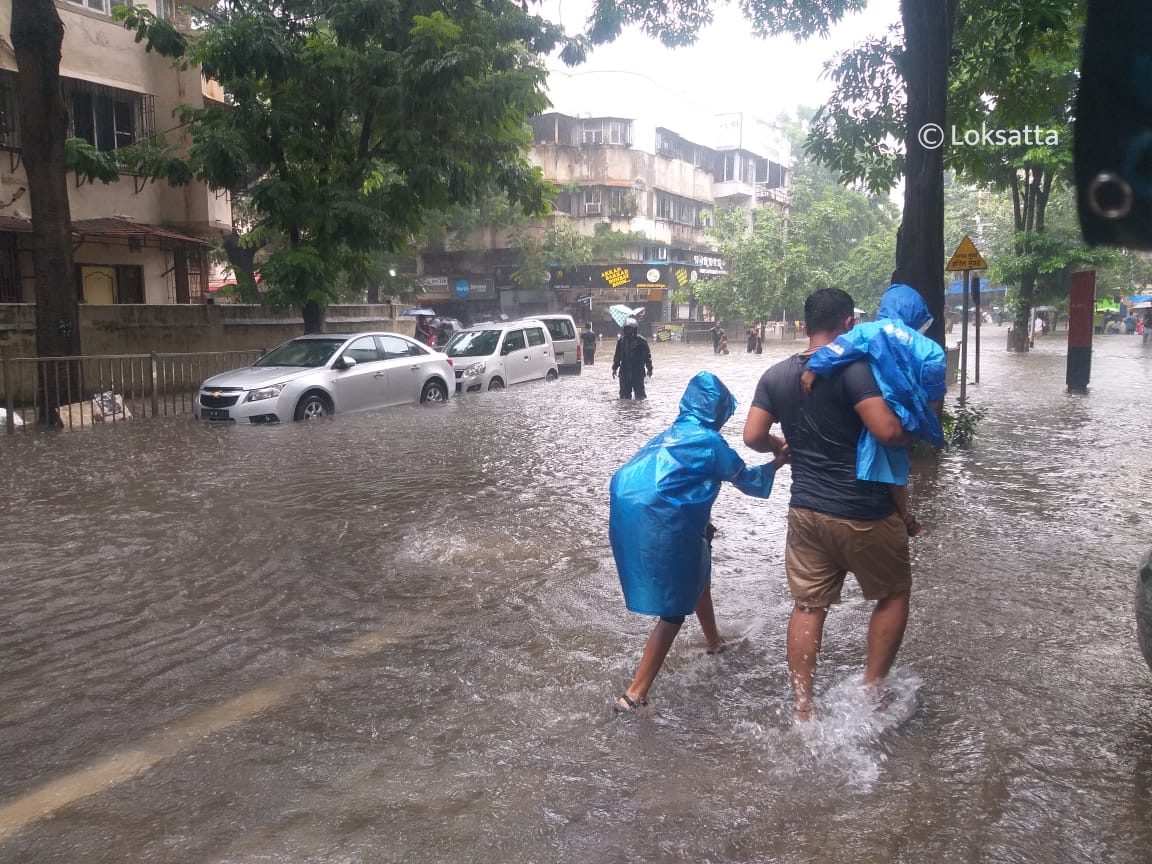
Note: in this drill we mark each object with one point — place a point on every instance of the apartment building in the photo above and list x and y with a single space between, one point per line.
135 240
642 162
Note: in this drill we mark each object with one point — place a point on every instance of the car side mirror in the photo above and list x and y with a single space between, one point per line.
346 362
506 350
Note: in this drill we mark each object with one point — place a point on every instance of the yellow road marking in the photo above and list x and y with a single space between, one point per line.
120 767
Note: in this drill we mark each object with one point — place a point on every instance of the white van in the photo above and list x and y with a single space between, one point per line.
498 355
565 342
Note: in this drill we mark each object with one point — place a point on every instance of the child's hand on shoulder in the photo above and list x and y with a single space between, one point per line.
807 379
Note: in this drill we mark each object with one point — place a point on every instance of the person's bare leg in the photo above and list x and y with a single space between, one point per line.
885 633
706 615
805 631
655 650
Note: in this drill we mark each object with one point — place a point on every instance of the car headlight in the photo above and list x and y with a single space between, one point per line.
264 393
474 370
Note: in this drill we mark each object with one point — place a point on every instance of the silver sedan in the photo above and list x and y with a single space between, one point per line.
328 373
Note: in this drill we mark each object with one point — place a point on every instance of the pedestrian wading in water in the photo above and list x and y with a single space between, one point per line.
659 528
633 359
837 522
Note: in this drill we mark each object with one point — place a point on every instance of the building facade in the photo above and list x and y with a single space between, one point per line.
658 173
135 240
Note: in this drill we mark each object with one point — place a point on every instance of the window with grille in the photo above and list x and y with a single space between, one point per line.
103 6
109 118
9 111
10 291
607 132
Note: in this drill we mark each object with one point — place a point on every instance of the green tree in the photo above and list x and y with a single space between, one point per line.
754 244
349 123
1013 68
557 245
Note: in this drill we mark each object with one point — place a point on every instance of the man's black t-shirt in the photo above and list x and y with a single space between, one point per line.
822 430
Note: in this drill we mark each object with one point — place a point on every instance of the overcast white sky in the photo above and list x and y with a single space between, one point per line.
729 69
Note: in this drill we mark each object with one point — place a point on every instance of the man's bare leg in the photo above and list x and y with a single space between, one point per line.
805 631
885 633
706 615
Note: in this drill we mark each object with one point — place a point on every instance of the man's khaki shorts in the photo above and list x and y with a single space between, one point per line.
821 549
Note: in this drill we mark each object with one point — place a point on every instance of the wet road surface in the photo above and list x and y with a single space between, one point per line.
396 637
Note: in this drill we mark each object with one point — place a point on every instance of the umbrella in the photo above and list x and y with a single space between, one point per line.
416 313
1046 309
621 313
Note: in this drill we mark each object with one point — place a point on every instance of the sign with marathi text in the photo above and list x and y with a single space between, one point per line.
966 257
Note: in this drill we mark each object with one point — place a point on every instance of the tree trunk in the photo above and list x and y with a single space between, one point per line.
313 317
37 36
920 242
1022 325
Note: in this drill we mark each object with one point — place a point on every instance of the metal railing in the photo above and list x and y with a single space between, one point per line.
107 388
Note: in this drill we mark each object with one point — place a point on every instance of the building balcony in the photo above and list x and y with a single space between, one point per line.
733 189
774 194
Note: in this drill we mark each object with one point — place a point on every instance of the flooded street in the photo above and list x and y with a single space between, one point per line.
396 637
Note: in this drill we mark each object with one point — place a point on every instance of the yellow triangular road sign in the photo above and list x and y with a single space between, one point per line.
966 257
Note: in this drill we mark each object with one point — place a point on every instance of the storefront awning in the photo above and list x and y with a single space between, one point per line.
110 227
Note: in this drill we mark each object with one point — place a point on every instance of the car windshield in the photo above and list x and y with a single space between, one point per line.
473 343
301 352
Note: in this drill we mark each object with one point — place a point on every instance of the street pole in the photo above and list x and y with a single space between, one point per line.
979 316
1081 304
964 338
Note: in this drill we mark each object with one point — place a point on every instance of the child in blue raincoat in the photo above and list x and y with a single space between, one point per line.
909 369
658 524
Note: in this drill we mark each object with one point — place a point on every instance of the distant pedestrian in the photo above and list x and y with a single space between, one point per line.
424 331
632 360
723 347
716 331
588 344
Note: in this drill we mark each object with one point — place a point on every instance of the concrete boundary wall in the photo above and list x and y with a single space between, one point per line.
193 328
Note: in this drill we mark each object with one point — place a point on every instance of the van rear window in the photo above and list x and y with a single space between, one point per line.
560 329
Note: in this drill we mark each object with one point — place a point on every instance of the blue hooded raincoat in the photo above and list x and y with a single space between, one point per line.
909 369
662 498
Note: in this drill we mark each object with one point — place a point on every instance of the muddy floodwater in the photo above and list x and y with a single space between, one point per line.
396 637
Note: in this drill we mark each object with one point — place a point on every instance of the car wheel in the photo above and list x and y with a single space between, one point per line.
496 384
434 391
312 407
551 376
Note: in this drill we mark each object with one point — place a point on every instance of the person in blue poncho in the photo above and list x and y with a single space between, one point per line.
659 528
909 369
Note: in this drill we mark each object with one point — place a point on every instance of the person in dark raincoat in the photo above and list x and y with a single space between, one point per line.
633 358
588 345
659 528
909 369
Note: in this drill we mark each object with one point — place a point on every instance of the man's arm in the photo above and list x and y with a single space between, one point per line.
881 422
758 432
